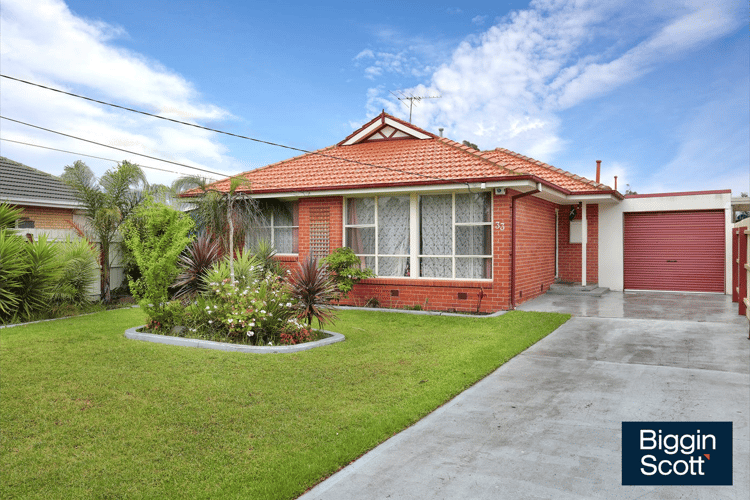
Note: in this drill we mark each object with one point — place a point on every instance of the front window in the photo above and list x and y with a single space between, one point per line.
454 234
279 225
377 230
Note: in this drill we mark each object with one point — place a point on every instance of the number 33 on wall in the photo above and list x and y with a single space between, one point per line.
500 226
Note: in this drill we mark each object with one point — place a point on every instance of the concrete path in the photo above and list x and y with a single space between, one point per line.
547 424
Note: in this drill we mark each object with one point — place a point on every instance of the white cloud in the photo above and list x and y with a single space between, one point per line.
45 42
479 20
508 85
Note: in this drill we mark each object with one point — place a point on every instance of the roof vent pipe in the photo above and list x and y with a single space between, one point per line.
598 170
441 131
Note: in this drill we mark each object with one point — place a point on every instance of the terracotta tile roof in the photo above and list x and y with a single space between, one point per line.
399 161
557 176
374 164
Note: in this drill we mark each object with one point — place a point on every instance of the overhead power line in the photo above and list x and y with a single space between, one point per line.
391 169
88 156
113 147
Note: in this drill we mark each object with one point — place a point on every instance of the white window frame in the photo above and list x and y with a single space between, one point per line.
453 256
271 225
415 235
374 225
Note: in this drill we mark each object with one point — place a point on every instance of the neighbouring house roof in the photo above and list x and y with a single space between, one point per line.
389 152
23 185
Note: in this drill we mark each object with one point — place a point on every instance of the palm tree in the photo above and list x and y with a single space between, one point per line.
106 203
217 211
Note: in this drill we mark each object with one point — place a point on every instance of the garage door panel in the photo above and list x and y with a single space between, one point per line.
680 251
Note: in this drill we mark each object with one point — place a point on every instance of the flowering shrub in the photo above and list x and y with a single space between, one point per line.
302 335
258 313
164 316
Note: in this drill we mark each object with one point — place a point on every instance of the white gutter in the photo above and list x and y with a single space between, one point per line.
41 202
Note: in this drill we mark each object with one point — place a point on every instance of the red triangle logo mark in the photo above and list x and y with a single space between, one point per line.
707 455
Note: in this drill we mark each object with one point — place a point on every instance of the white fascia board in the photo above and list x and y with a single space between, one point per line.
459 186
592 198
38 202
367 131
378 124
407 130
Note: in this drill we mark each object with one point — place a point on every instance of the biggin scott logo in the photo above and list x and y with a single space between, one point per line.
677 453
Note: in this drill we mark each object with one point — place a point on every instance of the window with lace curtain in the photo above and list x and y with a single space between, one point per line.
454 234
377 230
280 227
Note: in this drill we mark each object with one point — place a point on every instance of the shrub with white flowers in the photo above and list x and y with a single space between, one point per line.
257 313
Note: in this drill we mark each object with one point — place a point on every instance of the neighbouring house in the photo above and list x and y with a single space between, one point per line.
49 207
447 227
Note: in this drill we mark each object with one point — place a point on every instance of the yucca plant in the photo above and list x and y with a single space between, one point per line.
77 260
313 289
197 259
247 270
9 215
12 268
266 253
40 277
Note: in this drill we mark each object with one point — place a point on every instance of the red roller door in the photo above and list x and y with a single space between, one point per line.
677 251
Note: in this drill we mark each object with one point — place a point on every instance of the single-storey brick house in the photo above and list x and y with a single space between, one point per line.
47 202
447 227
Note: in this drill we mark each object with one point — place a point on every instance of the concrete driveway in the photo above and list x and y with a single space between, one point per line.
547 424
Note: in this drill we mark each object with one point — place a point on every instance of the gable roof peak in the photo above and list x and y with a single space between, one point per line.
384 127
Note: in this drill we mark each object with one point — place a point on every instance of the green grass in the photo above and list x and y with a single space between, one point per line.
88 413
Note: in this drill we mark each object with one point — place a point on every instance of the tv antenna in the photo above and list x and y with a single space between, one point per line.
411 98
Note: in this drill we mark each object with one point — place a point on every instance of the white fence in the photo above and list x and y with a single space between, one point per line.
117 271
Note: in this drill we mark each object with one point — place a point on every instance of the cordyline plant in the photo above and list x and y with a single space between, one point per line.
197 259
313 288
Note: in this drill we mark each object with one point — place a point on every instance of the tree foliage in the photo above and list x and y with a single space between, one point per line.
347 269
156 235
221 213
106 203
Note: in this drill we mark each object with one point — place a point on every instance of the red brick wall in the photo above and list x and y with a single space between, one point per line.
48 217
450 295
535 259
430 294
334 206
570 253
535 247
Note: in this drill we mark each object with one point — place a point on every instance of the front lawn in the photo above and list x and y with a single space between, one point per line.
88 413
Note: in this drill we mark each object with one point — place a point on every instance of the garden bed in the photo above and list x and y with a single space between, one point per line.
135 334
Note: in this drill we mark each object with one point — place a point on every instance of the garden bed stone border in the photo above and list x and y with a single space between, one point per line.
134 334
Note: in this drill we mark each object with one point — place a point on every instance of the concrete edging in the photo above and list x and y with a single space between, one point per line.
134 334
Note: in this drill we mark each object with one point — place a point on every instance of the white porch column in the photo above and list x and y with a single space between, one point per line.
414 236
584 241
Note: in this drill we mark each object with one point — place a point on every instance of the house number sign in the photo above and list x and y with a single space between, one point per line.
500 226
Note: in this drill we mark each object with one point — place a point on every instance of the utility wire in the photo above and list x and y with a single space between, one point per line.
113 147
119 149
89 156
221 132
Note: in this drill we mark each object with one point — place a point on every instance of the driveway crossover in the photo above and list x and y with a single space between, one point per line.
547 424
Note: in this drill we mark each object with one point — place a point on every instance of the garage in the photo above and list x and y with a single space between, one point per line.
674 251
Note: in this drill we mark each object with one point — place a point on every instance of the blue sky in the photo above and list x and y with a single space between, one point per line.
660 93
